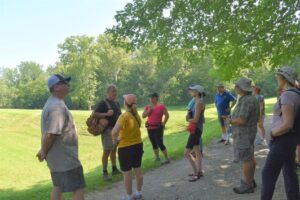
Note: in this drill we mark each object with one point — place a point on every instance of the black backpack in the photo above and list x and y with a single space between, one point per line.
296 127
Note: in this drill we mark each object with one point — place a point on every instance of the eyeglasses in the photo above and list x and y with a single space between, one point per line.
62 83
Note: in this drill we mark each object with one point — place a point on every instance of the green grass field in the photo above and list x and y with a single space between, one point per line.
23 177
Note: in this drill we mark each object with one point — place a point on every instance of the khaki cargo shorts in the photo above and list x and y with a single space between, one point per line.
106 139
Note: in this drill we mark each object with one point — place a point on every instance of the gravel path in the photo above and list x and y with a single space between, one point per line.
170 182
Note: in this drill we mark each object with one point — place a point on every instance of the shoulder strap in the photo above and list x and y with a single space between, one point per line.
136 119
294 90
297 91
107 104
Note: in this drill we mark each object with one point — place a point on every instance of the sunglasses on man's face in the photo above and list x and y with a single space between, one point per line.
63 83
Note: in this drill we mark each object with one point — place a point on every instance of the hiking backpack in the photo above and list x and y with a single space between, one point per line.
94 125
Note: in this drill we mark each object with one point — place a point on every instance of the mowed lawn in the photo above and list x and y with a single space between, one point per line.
23 177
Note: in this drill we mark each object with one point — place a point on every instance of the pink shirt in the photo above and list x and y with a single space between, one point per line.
155 116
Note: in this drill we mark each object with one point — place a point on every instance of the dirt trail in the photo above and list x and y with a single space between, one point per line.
170 182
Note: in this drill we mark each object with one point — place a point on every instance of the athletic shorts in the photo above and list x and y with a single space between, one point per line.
106 139
130 157
69 181
194 139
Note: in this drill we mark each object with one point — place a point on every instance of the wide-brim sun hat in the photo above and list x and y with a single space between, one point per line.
288 73
198 88
244 84
130 99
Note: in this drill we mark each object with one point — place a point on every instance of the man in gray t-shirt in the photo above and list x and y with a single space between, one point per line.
59 143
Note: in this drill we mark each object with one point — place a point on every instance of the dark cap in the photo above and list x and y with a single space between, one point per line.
154 94
56 78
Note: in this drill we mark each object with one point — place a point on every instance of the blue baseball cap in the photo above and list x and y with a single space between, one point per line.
56 78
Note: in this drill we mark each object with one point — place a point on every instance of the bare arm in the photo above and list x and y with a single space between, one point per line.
101 115
146 113
240 121
115 132
166 116
47 143
288 120
232 104
199 108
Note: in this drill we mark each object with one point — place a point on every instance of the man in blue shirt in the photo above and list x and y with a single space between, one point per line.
222 101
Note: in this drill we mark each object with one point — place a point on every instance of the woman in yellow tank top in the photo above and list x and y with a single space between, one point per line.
127 136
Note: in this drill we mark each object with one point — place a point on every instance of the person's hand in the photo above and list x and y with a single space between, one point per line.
41 155
110 112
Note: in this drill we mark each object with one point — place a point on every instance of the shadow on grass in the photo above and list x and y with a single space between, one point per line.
175 143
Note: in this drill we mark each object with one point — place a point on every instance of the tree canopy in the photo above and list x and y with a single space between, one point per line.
239 34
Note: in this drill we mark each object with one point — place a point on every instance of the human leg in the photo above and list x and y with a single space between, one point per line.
56 193
78 194
160 142
270 173
151 135
223 129
290 177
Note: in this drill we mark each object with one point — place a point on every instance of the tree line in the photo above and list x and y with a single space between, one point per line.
94 63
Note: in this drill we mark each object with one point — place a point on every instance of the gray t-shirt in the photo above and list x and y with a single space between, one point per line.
56 119
286 98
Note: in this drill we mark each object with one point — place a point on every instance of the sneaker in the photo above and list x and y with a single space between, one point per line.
138 196
167 161
106 177
244 188
157 159
221 140
226 142
116 172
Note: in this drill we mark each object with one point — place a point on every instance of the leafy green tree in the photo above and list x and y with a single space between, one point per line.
78 59
238 34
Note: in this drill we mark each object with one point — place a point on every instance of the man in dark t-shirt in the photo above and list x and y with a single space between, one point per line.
110 109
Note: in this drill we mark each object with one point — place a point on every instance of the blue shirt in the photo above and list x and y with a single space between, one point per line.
222 102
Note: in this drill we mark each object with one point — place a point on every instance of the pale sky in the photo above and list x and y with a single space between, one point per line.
30 30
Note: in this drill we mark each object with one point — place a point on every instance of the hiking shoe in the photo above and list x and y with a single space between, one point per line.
221 140
167 161
116 172
243 188
106 177
138 196
226 142
157 159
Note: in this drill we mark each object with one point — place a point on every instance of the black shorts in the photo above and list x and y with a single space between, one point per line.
194 139
69 181
130 157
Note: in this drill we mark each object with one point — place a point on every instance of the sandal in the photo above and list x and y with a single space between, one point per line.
200 174
196 177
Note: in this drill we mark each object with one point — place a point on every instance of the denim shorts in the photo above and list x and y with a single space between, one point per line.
69 181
